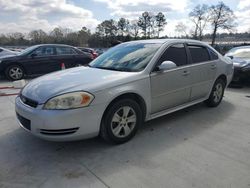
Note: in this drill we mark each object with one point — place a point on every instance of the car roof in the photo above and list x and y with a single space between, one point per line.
163 41
61 45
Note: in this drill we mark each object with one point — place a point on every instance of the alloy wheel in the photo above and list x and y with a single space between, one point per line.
16 73
123 121
218 92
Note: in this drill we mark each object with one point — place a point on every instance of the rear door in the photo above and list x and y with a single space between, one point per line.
202 69
66 55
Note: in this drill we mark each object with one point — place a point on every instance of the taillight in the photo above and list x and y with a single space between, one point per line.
92 56
95 54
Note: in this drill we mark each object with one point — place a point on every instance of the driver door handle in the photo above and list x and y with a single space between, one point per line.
185 73
213 66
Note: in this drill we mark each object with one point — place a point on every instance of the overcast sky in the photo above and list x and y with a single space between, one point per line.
27 15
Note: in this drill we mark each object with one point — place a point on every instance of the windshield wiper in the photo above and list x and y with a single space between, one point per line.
108 68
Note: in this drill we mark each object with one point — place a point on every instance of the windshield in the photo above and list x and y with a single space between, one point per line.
129 57
240 52
27 50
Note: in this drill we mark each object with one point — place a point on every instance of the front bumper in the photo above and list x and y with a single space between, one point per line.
60 125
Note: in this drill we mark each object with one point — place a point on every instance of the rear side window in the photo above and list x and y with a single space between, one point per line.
1 50
213 55
198 53
175 53
65 51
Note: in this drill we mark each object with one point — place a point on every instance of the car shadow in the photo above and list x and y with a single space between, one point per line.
21 153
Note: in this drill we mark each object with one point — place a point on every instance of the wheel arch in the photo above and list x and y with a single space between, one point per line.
12 64
130 95
223 77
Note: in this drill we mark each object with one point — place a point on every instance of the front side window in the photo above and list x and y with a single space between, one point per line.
65 51
198 53
128 57
44 51
175 53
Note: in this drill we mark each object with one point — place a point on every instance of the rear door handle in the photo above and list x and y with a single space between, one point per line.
185 73
213 66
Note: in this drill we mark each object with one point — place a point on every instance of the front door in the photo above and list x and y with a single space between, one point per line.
171 88
42 61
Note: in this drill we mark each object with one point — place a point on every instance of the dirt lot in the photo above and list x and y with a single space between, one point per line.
196 147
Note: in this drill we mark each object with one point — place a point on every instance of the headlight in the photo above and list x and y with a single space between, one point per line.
69 101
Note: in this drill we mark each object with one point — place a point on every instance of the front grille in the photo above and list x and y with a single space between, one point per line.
28 101
25 122
58 131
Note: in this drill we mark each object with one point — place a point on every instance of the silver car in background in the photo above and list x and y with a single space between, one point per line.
5 52
131 83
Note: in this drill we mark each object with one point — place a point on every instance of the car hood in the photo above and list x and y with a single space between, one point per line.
240 62
75 79
9 57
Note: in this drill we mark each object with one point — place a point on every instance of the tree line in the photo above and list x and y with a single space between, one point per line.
149 25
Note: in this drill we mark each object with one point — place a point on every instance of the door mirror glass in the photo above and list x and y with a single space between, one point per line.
33 55
166 65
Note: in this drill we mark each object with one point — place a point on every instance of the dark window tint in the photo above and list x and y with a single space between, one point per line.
199 54
175 53
65 51
1 50
44 51
213 55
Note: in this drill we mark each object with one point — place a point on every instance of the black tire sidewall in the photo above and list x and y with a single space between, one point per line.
211 101
7 72
109 115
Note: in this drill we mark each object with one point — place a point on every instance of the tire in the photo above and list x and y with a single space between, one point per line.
14 72
216 94
121 121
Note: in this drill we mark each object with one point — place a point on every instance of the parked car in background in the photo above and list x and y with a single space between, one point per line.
5 52
90 51
101 50
127 85
42 59
241 61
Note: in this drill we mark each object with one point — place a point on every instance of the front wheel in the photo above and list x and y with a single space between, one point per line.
14 72
217 93
121 121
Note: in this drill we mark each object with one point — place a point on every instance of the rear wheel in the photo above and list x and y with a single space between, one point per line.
14 72
216 94
121 121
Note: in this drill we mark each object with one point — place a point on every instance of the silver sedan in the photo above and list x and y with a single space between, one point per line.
131 83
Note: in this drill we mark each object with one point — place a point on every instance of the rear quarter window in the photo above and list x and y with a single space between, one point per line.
213 54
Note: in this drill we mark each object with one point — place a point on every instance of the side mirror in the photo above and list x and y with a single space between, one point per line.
33 55
166 65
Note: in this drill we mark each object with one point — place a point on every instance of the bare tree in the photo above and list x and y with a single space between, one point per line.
160 22
222 17
144 22
181 28
38 36
199 16
134 29
123 25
